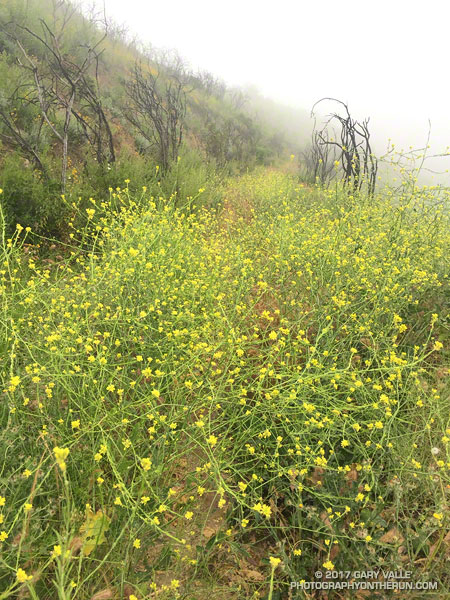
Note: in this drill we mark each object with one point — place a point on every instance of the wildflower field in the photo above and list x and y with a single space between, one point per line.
216 400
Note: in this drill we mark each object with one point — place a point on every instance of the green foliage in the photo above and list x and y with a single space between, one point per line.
28 199
94 530
182 181
265 380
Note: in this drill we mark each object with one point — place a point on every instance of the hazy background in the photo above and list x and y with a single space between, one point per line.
388 60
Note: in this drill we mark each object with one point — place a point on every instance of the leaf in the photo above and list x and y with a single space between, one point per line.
325 518
253 575
334 552
215 539
447 538
316 475
393 536
76 544
209 531
352 475
106 594
94 529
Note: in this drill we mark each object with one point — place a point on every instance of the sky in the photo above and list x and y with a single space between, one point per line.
388 59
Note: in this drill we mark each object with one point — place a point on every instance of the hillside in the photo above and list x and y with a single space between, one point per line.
82 108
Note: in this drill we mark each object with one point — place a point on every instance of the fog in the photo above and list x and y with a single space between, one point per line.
387 60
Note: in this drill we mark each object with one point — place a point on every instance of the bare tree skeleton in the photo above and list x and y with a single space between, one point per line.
58 82
353 150
157 110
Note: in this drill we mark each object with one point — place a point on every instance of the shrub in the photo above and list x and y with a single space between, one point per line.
28 199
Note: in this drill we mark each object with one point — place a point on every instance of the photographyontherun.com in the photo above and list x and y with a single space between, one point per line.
372 580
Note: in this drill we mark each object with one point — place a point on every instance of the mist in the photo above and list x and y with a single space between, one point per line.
387 61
